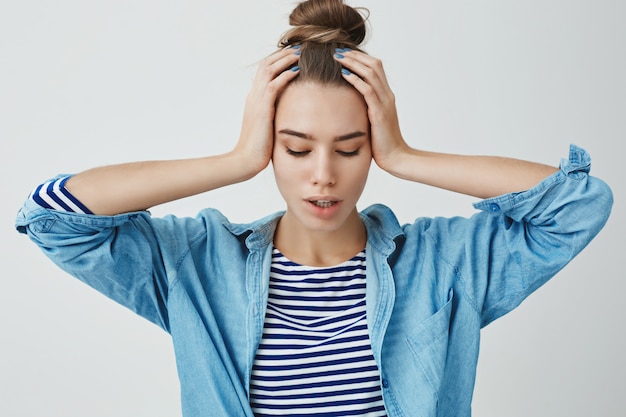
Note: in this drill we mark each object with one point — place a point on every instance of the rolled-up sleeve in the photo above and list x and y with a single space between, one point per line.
118 256
520 240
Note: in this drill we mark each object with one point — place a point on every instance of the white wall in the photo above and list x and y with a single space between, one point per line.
100 82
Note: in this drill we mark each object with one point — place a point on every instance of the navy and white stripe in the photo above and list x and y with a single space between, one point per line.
53 195
315 356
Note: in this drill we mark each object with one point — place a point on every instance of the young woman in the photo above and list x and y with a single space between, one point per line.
321 310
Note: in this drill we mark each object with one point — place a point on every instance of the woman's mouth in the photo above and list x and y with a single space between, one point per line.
323 203
324 207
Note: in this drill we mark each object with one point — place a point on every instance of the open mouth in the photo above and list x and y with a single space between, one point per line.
323 203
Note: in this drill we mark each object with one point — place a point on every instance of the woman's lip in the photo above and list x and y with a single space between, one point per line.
323 198
323 203
324 208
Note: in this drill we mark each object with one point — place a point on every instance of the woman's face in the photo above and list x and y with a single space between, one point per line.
322 154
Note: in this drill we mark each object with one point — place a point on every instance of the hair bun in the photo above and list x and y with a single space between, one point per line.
326 22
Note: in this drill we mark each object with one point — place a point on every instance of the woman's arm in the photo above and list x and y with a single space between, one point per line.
137 186
518 241
479 176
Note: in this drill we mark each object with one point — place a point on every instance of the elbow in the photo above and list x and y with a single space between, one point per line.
586 211
602 197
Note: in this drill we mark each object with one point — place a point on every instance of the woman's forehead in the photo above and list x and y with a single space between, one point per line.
309 104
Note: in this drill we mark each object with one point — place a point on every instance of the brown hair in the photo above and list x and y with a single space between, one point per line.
319 27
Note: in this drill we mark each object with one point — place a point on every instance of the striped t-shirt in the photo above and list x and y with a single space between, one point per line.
54 195
315 356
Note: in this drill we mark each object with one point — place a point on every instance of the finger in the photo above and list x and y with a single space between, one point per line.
278 54
375 90
278 62
367 67
281 81
371 62
366 89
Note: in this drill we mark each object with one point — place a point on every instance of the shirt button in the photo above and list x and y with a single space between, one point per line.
385 383
494 208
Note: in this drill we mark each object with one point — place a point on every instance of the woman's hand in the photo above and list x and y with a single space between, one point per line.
479 176
257 130
136 186
367 75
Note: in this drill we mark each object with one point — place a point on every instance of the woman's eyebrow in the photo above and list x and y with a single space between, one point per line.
352 135
306 136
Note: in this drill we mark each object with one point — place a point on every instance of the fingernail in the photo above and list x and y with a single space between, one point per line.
297 53
339 50
347 50
296 46
296 68
339 56
345 71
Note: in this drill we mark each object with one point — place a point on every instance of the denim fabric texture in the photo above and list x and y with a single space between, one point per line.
431 285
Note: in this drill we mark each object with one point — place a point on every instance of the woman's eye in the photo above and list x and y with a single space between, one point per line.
349 153
296 153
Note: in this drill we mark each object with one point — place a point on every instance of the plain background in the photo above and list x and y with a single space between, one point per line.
87 83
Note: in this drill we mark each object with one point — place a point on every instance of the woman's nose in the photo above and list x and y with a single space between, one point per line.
323 173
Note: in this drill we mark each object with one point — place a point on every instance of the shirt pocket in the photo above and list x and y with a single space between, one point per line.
428 343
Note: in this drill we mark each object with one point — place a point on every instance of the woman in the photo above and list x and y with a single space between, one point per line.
321 310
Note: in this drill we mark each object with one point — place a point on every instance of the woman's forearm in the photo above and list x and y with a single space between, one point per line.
478 176
115 189
137 186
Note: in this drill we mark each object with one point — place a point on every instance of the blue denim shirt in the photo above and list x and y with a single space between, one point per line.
431 285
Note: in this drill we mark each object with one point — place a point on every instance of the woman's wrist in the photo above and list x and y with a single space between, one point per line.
398 162
244 164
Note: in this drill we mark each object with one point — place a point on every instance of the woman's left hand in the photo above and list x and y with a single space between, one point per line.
367 75
478 176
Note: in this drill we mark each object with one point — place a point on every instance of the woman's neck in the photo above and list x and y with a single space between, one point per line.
320 248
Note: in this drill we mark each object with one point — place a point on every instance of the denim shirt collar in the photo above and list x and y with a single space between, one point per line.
381 224
259 233
382 228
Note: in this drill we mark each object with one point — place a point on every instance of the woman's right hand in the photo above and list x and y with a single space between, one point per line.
257 131
136 186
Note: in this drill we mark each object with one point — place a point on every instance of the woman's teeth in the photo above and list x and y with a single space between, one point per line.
323 203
